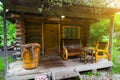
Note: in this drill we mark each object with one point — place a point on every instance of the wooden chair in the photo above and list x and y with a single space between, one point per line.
101 51
70 47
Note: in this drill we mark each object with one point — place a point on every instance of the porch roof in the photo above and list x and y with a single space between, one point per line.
79 8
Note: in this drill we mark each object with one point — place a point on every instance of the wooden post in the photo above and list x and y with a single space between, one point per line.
88 33
5 40
59 38
111 35
43 38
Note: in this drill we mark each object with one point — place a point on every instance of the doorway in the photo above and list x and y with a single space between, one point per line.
51 39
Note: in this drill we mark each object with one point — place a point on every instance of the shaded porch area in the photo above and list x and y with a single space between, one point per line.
55 67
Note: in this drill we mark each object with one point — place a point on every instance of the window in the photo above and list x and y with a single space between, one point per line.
71 32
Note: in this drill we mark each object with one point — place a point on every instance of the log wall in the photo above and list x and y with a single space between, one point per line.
20 34
84 35
33 33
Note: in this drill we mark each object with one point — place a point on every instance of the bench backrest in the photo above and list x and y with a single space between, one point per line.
72 45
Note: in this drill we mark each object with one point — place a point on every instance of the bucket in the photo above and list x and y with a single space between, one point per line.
30 55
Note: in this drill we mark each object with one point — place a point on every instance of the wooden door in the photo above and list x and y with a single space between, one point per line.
51 39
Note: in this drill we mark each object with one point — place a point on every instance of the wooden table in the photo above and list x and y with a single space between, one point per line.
87 53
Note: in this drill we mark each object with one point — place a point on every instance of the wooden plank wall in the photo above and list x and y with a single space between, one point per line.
33 32
84 35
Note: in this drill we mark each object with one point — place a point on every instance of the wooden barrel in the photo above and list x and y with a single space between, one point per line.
30 59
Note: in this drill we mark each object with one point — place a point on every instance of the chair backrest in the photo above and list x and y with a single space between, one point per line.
72 44
102 45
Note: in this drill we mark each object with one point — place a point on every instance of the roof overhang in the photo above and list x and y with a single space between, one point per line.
32 7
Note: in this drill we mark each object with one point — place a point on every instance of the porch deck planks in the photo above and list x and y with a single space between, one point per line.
59 68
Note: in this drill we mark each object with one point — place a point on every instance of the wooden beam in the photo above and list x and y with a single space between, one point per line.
63 22
111 30
28 3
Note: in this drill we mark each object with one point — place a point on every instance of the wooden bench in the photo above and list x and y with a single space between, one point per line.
70 47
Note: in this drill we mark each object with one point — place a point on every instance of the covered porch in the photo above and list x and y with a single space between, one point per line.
55 67
34 26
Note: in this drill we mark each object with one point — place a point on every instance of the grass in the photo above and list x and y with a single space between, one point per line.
89 73
2 66
116 60
2 63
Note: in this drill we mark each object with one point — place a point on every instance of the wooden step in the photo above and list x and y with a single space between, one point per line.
66 74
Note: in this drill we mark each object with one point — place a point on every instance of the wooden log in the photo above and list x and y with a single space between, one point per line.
34 31
15 16
20 30
17 44
19 34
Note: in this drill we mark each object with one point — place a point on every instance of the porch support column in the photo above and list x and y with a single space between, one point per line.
111 35
43 38
87 35
5 39
59 38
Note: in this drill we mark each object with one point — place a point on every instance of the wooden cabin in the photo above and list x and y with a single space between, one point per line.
49 33
49 27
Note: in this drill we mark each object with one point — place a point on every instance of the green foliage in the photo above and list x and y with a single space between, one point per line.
116 58
89 73
117 23
1 7
99 30
11 33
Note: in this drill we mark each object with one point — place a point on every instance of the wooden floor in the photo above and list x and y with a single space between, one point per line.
54 66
